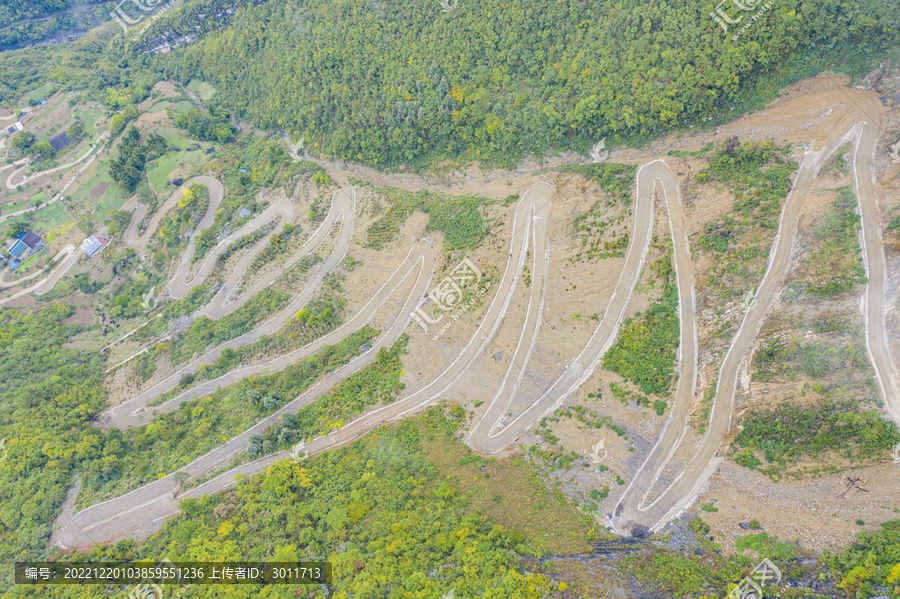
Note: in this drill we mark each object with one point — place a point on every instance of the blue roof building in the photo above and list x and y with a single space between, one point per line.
18 248
27 243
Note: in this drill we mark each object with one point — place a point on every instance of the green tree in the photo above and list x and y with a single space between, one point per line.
43 150
16 228
75 131
128 168
23 140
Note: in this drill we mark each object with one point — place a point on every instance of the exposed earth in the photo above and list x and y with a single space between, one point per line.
530 345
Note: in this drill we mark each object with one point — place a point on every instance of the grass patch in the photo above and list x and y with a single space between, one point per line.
376 384
159 175
526 507
112 199
617 181
834 428
461 219
835 263
739 241
686 575
204 90
765 546
644 352
785 359
46 218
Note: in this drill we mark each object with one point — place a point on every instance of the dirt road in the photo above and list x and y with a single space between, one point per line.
142 511
632 514
674 471
134 412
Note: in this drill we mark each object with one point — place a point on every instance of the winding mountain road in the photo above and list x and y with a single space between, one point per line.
92 151
47 283
655 495
633 514
134 411
142 511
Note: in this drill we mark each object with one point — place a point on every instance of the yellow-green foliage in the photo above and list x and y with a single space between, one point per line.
378 510
390 83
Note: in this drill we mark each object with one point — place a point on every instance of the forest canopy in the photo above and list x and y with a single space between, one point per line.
386 83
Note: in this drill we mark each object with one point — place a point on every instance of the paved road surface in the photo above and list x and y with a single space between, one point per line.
48 282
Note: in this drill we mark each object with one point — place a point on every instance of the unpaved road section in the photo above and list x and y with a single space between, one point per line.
875 305
134 411
633 515
647 504
141 512
92 150
492 434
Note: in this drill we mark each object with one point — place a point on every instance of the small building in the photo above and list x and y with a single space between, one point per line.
13 129
15 264
92 245
244 213
32 240
18 249
27 244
